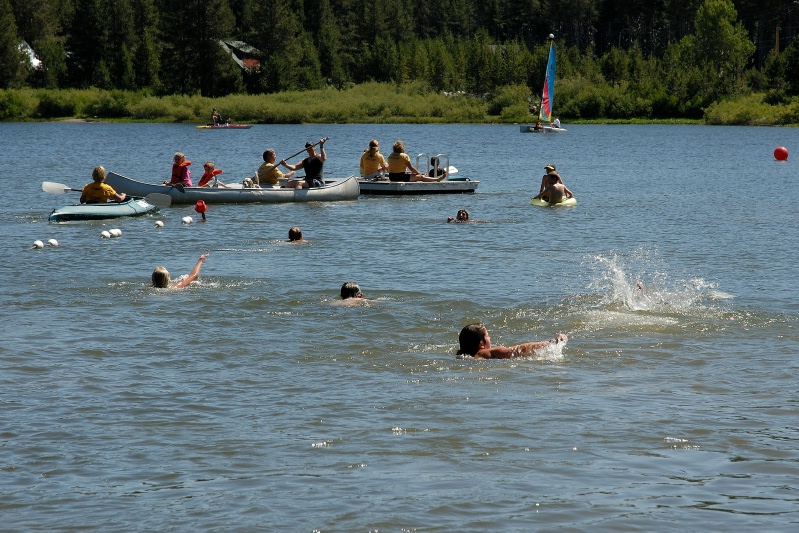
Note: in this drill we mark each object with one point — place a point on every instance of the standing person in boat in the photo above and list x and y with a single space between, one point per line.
181 175
555 191
216 118
209 177
399 162
373 164
98 192
269 175
161 279
313 165
475 341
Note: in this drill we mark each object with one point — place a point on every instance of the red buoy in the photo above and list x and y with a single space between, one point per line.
781 153
201 208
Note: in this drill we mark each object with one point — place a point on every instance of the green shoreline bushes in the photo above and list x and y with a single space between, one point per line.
414 102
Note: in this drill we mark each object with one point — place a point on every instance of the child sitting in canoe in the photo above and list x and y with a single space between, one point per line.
181 175
209 177
98 192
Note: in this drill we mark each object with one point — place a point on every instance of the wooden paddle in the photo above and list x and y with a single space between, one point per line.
155 198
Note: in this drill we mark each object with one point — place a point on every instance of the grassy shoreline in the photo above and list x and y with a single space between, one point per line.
370 103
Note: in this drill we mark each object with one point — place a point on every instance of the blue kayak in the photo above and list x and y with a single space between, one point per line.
130 208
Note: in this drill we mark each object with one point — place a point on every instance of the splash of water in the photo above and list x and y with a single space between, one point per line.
641 282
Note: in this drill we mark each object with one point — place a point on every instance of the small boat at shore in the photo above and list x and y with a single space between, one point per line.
224 126
130 208
334 190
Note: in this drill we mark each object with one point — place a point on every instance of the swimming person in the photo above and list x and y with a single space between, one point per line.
161 279
475 341
350 289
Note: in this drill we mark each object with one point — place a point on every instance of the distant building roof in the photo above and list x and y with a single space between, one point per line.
25 48
245 56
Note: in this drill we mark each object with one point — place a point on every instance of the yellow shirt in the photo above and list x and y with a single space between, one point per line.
97 193
372 163
269 174
398 162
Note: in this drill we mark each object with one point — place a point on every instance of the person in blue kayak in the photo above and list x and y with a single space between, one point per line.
313 165
161 278
475 341
98 192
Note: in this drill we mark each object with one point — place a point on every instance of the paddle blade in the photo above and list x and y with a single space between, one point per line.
159 200
55 188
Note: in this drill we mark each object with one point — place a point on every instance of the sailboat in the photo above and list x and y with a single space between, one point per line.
544 124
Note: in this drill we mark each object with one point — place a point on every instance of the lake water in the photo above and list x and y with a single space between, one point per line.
253 400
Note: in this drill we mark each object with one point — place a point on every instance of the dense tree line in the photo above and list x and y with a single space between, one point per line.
655 57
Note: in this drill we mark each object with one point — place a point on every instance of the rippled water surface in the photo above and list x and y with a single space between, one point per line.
254 400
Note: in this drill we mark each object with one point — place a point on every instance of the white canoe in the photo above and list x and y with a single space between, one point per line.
334 190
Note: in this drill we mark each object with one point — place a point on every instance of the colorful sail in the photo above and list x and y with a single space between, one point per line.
545 113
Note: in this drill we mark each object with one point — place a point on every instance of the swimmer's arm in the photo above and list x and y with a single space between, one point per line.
527 348
193 275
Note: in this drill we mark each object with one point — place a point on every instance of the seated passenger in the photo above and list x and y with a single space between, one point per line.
435 170
373 164
399 162
269 175
555 191
98 192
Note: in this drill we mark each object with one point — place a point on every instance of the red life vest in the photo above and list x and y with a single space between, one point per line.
177 173
208 176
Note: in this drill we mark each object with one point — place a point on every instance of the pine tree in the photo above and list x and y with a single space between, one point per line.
12 60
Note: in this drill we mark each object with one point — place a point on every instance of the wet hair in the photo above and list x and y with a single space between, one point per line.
295 234
161 277
98 174
470 338
268 154
434 161
463 214
398 147
350 289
